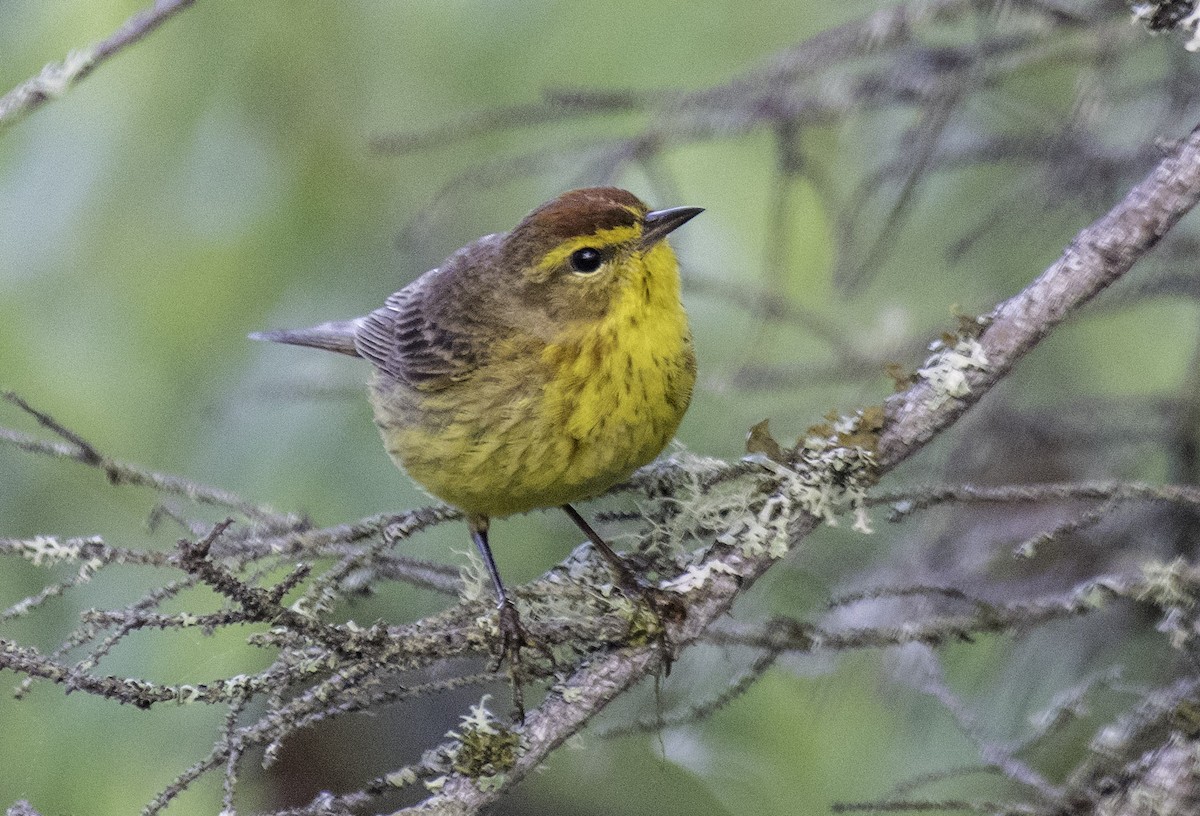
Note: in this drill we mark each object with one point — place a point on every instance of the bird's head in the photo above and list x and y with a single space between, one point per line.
583 250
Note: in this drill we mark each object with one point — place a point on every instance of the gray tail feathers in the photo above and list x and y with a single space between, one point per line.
334 336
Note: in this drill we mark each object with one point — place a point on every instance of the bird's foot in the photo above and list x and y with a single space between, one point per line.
654 610
513 638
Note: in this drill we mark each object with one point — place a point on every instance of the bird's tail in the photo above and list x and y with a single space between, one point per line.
336 336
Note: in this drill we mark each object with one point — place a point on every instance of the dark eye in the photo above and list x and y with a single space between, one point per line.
586 260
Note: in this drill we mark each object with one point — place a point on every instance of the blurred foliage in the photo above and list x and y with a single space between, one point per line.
218 178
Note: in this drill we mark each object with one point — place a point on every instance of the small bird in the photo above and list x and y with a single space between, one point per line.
533 368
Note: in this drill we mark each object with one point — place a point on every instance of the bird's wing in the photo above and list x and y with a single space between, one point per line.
428 334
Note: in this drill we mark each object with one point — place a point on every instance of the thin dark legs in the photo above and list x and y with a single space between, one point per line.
512 635
616 563
664 606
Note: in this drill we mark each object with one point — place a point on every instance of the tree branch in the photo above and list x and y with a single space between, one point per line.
77 448
57 78
1098 256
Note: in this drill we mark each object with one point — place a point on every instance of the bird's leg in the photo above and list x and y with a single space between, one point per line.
663 606
512 634
625 577
510 621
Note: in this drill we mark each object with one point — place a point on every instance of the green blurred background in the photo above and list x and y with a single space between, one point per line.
217 179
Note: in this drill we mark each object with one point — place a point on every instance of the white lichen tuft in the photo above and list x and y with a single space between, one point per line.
695 577
482 748
479 719
401 778
1172 588
476 583
1192 23
56 78
827 475
946 368
1181 16
50 550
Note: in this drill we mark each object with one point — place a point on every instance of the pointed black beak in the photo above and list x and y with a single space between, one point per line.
661 222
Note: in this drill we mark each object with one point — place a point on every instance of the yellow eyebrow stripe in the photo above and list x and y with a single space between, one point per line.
600 239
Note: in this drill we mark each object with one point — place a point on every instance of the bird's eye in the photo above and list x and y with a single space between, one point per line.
586 260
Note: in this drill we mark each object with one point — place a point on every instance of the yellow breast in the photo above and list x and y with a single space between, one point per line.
546 424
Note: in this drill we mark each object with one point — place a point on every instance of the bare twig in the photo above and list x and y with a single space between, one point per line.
912 499
927 673
77 448
59 77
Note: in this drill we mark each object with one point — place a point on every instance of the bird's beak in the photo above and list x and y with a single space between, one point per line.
661 222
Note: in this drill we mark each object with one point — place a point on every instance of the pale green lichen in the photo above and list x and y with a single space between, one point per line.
696 576
319 600
188 694
946 368
1169 585
1094 596
764 533
485 749
50 550
1172 587
55 79
1170 15
476 583
1192 23
58 77
826 475
401 778
692 505
834 467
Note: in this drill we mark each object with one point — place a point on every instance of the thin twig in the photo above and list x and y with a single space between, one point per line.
77 448
921 497
57 78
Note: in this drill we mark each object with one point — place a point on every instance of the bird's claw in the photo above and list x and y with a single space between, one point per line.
513 638
664 607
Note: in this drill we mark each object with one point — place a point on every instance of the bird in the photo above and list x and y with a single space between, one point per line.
533 368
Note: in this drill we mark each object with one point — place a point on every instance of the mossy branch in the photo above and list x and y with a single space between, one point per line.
346 662
1098 256
738 518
